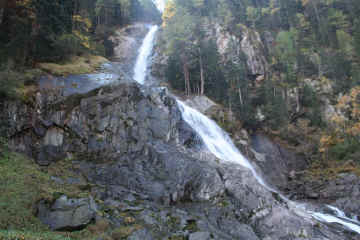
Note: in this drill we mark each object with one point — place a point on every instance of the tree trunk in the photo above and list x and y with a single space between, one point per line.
202 77
2 9
186 75
240 97
297 100
316 11
9 10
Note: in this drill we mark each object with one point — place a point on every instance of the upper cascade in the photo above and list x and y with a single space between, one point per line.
144 53
160 4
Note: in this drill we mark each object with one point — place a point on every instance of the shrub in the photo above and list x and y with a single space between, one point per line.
68 45
344 150
9 81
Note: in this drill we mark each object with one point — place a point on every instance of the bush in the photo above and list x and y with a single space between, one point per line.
68 45
344 150
9 81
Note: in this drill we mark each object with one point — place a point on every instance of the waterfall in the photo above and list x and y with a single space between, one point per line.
160 4
218 142
144 53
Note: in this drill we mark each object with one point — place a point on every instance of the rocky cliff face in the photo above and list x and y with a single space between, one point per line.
132 146
127 41
248 42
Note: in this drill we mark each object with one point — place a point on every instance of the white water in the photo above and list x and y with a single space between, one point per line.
217 141
144 53
160 4
349 224
340 218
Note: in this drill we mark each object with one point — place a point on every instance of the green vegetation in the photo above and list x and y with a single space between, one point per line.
22 184
61 36
23 235
312 50
76 65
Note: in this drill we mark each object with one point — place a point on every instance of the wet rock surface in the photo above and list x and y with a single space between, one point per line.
343 191
128 141
275 161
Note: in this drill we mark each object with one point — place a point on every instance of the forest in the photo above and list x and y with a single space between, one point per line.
179 119
38 31
301 41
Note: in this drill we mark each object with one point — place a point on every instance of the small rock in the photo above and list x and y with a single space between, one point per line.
57 180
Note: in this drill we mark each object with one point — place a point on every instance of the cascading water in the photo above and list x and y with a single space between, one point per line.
160 4
218 142
144 53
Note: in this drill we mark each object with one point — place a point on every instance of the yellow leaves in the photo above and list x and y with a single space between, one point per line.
355 91
169 12
338 120
27 7
351 103
325 142
343 102
346 121
82 28
354 130
304 2
85 40
83 21
23 3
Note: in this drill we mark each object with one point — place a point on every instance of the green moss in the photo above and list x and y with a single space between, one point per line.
191 226
173 222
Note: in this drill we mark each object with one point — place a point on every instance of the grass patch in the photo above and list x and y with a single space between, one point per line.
76 65
22 185
23 235
124 232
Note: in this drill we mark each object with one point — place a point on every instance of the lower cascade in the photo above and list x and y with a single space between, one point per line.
219 143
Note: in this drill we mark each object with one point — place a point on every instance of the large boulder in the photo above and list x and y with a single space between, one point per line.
67 213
